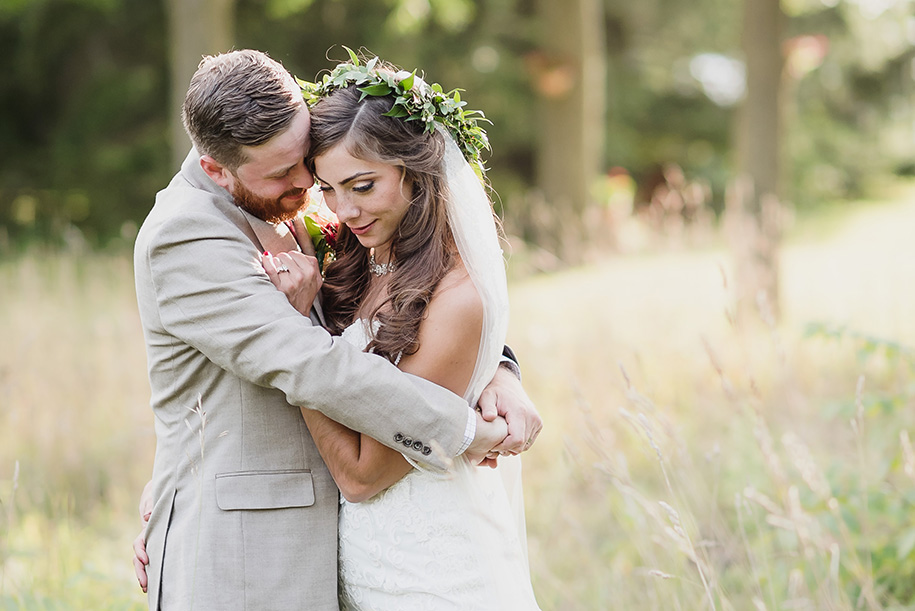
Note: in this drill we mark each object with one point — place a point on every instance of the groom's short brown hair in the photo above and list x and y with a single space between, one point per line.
235 99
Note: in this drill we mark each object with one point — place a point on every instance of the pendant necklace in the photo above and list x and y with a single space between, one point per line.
379 269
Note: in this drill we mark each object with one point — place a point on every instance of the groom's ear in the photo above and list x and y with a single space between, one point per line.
216 171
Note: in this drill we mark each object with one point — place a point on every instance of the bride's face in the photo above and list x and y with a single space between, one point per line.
369 197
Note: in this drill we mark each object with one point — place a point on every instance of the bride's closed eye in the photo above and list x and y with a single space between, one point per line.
325 188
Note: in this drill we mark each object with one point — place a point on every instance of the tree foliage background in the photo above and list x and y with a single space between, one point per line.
84 95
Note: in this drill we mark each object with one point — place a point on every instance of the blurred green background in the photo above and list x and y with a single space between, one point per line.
579 92
708 206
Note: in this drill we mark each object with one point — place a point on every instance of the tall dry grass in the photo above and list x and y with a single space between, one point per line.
686 464
75 431
689 464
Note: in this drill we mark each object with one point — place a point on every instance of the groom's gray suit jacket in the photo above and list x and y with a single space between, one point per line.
245 513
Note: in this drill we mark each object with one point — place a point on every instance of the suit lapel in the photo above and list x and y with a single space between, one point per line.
273 238
265 236
278 238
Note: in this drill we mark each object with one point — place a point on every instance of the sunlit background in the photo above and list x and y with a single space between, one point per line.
709 208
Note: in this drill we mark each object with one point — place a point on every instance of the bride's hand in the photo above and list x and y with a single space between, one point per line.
296 275
140 558
488 436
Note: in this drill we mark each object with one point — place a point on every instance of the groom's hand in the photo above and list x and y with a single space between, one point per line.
506 397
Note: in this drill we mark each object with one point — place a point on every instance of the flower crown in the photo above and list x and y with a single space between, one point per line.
413 101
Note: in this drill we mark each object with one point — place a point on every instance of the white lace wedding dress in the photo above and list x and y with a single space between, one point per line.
436 542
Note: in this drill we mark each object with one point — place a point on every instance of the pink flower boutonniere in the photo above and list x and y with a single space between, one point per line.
322 227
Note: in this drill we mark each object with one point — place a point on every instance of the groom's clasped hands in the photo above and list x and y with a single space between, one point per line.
507 421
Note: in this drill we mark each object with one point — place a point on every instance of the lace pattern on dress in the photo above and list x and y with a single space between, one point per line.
424 543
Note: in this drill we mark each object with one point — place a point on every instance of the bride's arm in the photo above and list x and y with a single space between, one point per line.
449 341
360 466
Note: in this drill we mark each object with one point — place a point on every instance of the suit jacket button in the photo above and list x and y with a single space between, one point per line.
418 446
427 450
398 437
407 441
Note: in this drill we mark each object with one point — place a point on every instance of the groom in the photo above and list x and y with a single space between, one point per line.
244 509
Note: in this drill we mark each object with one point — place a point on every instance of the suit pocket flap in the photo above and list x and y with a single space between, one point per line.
264 490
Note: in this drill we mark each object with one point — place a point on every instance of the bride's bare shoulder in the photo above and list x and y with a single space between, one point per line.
456 298
449 336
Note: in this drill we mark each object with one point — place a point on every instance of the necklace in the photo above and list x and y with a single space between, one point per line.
379 269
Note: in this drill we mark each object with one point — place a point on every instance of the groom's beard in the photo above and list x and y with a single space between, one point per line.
270 210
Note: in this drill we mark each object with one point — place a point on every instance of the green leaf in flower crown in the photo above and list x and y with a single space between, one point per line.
398 112
407 83
349 75
352 55
388 78
375 90
429 104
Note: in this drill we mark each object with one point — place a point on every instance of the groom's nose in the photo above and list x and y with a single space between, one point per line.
301 177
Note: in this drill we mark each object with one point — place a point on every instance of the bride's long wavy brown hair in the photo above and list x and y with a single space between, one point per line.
423 247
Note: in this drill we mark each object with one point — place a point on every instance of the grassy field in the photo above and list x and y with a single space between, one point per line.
686 464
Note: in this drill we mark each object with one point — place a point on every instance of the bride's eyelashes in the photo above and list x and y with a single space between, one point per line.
325 188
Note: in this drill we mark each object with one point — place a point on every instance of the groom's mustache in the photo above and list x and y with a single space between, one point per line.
294 193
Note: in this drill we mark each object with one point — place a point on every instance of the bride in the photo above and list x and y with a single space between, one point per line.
418 278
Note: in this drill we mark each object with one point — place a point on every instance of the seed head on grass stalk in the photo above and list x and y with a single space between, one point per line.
685 543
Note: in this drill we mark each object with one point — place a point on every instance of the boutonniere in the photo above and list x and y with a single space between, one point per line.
322 227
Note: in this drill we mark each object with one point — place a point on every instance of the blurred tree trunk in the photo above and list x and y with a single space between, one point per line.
196 28
754 204
569 74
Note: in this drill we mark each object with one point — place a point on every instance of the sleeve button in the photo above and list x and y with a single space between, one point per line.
418 446
398 437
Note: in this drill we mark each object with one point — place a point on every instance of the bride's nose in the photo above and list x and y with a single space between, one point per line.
346 210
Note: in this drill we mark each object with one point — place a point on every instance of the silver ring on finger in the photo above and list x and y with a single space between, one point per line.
281 269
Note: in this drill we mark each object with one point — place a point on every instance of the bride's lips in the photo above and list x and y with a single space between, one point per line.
361 230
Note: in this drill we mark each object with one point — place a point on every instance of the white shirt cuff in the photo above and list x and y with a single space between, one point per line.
470 431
